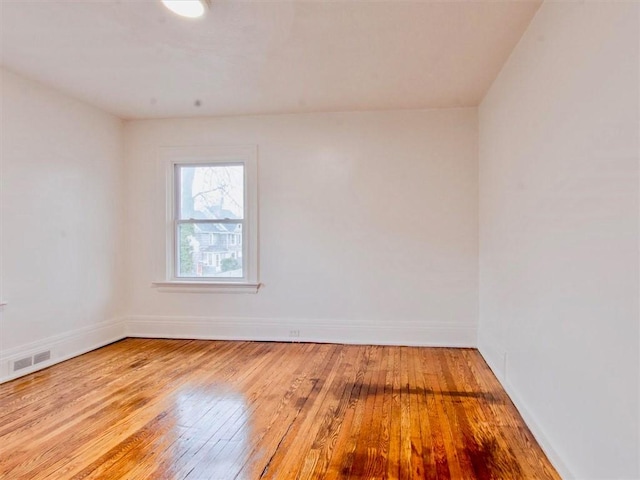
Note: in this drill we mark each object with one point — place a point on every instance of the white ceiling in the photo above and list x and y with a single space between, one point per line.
137 60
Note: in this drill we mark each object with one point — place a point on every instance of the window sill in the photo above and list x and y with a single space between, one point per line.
205 287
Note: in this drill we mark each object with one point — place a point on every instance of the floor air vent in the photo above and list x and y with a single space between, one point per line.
41 357
22 363
32 360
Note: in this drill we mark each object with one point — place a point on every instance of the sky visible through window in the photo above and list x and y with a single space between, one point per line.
211 191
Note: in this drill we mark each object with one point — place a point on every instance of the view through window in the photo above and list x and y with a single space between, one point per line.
210 216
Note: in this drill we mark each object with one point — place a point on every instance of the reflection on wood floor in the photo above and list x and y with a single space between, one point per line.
182 409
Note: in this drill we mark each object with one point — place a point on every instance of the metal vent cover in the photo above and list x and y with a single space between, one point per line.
22 363
41 357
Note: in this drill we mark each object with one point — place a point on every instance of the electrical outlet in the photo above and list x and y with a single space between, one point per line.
294 333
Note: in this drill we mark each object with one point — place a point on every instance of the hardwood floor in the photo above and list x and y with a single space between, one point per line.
181 409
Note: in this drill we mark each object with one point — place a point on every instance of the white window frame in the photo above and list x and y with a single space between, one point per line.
170 159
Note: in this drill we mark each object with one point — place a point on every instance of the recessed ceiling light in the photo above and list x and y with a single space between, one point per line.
187 8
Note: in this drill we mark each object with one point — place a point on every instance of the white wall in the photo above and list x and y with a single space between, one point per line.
368 228
559 234
60 223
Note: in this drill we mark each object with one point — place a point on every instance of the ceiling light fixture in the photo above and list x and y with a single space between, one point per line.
187 8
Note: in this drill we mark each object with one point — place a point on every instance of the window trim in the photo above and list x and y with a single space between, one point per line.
170 158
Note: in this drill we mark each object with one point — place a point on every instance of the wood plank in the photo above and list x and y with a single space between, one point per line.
191 409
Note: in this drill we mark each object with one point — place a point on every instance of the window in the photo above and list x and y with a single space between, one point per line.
209 203
211 218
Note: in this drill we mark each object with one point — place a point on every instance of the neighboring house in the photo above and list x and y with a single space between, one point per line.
219 248
216 247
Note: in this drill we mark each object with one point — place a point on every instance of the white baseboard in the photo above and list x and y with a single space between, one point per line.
304 330
495 360
63 347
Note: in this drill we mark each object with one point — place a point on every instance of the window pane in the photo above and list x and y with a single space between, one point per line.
210 250
211 192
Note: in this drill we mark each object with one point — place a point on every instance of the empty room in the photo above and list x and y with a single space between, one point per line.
308 239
